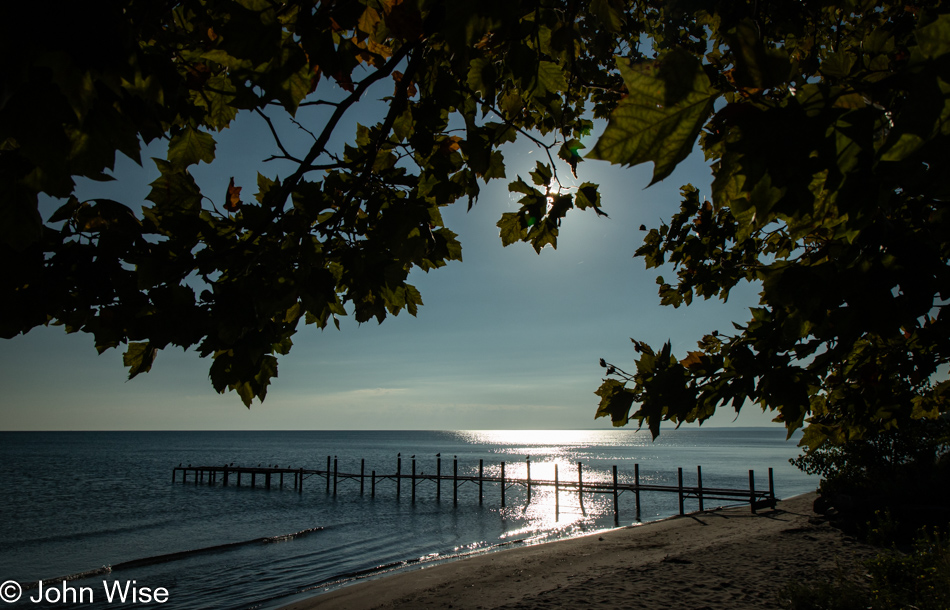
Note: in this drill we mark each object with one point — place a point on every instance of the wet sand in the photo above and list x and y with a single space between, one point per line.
728 559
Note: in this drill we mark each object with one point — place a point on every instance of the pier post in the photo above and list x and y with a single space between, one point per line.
481 478
771 489
362 475
328 474
413 479
373 484
680 493
225 476
580 482
557 500
616 499
528 464
267 480
398 475
699 484
239 478
184 475
636 487
253 479
197 477
282 479
174 474
438 477
455 480
334 474
752 490
300 480
502 483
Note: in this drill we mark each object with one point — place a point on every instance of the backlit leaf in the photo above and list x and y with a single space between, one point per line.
646 126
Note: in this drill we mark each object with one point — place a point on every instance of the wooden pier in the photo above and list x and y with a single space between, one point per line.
273 476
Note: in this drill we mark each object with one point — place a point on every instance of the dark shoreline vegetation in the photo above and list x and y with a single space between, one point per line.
891 490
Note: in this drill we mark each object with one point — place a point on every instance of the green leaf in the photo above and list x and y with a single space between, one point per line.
496 166
905 146
189 147
550 79
482 77
542 174
615 402
174 189
934 39
607 15
756 66
570 152
647 125
139 358
587 196
513 228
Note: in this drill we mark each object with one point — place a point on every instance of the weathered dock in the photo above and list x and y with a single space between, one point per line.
273 476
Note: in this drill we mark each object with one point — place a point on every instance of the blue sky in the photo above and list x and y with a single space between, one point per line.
507 339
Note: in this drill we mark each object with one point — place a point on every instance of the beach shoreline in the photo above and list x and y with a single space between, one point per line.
723 558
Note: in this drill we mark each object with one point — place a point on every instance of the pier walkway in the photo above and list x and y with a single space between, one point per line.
270 476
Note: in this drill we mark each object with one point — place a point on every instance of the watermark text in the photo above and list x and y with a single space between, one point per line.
61 592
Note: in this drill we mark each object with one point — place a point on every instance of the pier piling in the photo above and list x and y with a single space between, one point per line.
679 477
616 499
528 469
502 483
699 486
481 479
752 490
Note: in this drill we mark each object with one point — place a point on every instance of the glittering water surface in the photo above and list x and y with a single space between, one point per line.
76 502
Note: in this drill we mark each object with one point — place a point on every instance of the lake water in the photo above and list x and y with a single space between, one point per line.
84 501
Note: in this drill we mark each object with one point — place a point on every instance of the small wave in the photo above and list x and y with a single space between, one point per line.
155 559
379 570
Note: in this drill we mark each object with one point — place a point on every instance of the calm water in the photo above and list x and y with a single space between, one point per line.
75 502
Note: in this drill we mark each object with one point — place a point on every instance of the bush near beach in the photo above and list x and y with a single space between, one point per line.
891 490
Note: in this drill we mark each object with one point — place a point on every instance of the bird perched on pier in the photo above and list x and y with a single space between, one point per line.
179 464
438 455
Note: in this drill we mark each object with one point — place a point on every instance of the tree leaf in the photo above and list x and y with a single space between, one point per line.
139 358
232 199
190 146
669 100
615 402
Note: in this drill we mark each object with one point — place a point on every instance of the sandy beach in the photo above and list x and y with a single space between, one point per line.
728 558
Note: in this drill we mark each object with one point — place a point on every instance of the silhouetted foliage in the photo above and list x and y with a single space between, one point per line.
904 473
828 138
826 124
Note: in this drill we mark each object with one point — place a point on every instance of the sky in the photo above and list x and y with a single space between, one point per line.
507 338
